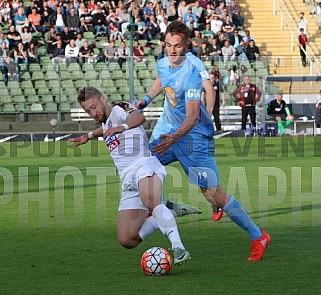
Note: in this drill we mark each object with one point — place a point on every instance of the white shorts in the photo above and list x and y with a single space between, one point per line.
130 198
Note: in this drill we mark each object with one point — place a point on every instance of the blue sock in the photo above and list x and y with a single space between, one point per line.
234 210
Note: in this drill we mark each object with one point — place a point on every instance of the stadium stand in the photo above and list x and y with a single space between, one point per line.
48 88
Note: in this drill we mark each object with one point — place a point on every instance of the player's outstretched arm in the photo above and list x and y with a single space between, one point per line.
86 137
134 119
155 90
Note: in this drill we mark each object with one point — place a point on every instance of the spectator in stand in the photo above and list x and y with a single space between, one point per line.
141 32
235 11
247 37
35 21
114 32
241 52
20 20
79 40
26 37
228 52
13 37
191 23
221 40
111 53
216 24
171 12
318 114
46 14
50 38
252 52
86 21
91 5
123 53
207 32
197 9
73 21
247 95
10 70
82 9
161 50
302 41
303 23
100 22
236 38
20 55
186 16
219 9
215 50
182 8
204 52
163 26
149 9
59 20
71 52
66 36
58 55
225 15
4 52
32 53
3 38
153 29
124 19
228 27
197 41
86 53
157 9
5 12
138 53
120 8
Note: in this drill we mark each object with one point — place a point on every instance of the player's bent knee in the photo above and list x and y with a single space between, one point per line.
128 242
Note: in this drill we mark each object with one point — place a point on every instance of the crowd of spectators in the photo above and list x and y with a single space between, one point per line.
62 24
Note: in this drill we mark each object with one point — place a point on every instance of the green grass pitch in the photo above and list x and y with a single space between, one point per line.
58 209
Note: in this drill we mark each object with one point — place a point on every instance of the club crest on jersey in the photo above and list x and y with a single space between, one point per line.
171 96
110 123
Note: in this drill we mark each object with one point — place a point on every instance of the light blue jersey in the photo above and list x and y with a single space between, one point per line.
199 65
180 85
195 150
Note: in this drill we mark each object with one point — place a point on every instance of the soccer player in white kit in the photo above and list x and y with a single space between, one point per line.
141 174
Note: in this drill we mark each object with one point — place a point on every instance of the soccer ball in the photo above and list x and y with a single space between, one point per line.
156 261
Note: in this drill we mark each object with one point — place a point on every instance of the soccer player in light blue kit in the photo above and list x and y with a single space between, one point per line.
184 132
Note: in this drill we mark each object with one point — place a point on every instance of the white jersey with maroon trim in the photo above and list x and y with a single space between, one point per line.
129 148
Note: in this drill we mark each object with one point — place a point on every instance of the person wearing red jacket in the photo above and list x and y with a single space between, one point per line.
247 95
302 40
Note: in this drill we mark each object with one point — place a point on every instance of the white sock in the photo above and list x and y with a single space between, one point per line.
149 226
167 225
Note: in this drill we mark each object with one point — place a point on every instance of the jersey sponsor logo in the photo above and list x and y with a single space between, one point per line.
112 142
171 96
193 93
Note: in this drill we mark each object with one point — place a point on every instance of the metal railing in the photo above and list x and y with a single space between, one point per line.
287 21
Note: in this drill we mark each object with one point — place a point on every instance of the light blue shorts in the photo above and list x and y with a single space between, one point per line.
196 156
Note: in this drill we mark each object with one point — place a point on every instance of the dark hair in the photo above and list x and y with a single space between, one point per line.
178 28
87 93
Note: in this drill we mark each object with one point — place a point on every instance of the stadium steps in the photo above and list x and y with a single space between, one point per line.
276 44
